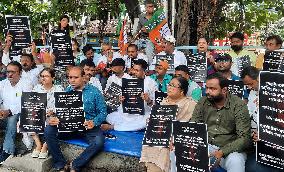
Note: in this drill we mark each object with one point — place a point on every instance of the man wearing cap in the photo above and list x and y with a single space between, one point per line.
169 49
223 63
117 68
161 77
132 122
237 52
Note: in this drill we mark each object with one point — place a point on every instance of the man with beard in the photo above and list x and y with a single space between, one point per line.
239 55
228 124
11 90
223 64
132 55
89 69
132 122
30 69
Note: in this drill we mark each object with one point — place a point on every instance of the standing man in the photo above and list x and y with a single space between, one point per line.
228 124
143 18
237 41
11 90
95 114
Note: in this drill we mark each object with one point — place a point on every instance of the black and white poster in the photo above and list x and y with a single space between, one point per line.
167 58
236 88
243 62
159 127
273 61
191 146
131 90
271 109
112 97
69 110
159 96
33 113
269 154
62 48
197 66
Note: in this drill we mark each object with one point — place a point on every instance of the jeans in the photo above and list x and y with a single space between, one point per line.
10 133
94 137
253 166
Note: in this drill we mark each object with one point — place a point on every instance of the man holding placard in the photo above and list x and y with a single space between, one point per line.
95 113
228 124
11 90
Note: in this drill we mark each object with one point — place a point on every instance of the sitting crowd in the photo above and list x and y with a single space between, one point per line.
231 121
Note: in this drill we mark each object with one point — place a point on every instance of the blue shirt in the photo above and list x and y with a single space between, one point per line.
94 104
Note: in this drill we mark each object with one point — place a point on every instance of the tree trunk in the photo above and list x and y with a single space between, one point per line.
196 19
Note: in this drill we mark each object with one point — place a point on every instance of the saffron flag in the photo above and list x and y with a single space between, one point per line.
122 42
158 28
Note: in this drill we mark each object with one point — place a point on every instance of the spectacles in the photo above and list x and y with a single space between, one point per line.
223 61
173 86
44 76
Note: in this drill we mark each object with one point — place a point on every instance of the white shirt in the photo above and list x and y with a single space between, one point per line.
103 58
253 106
139 56
11 95
33 74
96 82
115 79
50 95
6 60
179 59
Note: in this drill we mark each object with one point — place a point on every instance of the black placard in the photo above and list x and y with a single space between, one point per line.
236 88
62 48
33 114
269 154
131 90
191 146
112 97
69 110
159 127
169 59
159 96
271 109
273 61
243 62
197 66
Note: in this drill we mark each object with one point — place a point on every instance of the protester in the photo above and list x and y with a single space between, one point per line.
250 76
272 43
95 113
237 41
90 69
169 49
144 17
11 90
64 24
161 77
158 158
132 122
202 47
132 54
46 85
77 54
194 90
6 59
228 124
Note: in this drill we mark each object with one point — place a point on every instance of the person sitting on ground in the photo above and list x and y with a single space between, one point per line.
90 69
132 122
158 159
46 85
194 90
161 76
250 76
272 43
11 90
95 113
132 54
228 124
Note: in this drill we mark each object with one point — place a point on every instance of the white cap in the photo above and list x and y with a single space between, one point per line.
170 39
